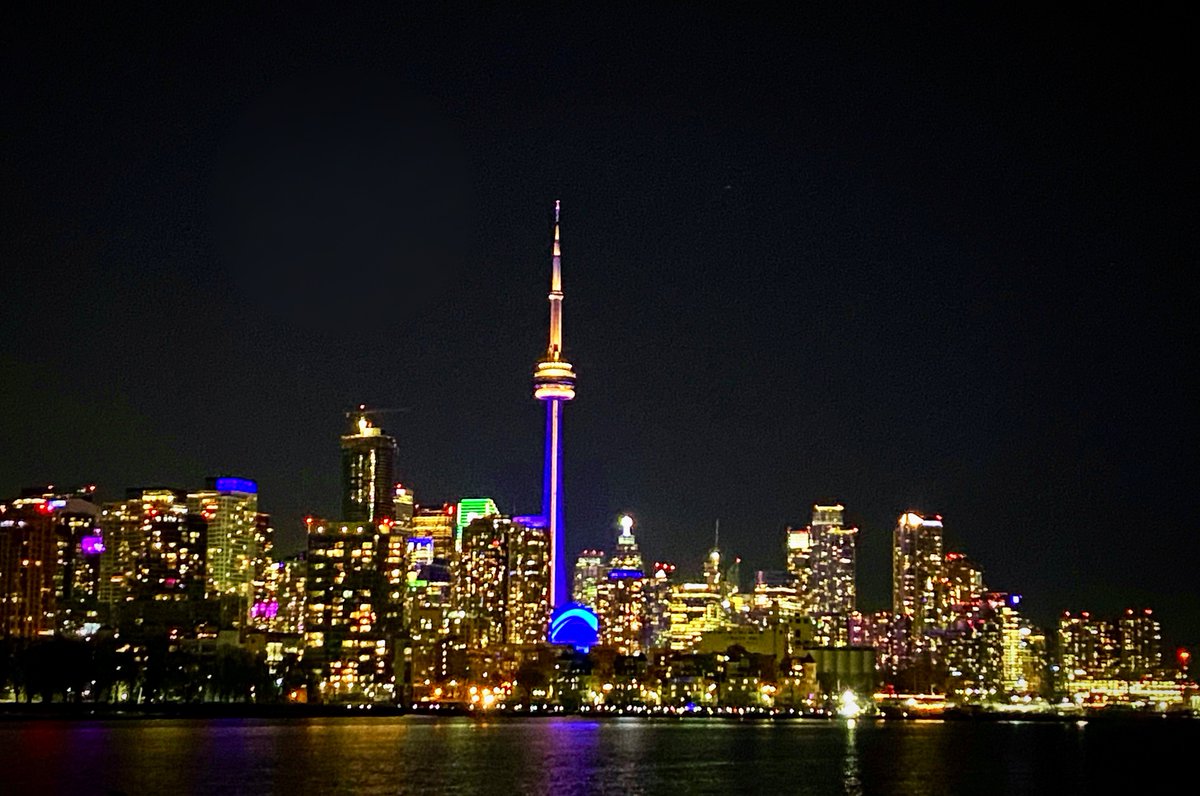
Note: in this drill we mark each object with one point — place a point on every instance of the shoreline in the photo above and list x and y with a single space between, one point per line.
14 713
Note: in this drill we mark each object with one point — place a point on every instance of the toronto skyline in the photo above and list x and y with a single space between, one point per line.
619 399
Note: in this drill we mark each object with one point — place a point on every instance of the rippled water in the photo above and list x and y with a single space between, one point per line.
574 755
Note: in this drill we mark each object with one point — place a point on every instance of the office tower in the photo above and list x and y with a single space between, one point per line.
229 507
345 641
27 568
620 598
590 570
436 522
469 510
154 549
1141 644
800 562
368 460
917 569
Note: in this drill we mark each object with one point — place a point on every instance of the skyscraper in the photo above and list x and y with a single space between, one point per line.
916 576
368 460
832 587
620 598
230 508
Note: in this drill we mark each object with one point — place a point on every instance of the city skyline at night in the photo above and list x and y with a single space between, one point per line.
895 264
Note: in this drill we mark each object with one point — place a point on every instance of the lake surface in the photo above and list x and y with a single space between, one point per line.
582 756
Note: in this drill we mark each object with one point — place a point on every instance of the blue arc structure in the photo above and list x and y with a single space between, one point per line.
554 384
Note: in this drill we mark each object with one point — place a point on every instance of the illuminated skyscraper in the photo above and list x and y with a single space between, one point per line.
229 506
503 583
345 640
800 562
437 523
27 564
917 568
368 459
833 585
590 569
154 547
1141 643
468 510
620 597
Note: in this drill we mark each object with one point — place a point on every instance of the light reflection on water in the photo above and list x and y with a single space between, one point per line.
569 755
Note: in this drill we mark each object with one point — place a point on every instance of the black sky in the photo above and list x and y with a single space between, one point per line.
937 262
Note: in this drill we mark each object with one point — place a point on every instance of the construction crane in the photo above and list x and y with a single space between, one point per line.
359 415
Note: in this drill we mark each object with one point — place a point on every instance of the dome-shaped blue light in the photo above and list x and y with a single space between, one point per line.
576 625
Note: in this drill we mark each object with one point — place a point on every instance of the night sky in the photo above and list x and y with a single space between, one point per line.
933 263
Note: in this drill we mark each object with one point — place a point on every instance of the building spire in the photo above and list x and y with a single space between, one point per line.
556 294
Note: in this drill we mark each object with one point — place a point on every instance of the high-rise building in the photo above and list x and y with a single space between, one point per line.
590 570
368 462
229 507
800 562
344 635
469 510
1089 647
658 591
404 505
833 586
620 598
1141 643
27 567
154 548
917 568
436 522
502 583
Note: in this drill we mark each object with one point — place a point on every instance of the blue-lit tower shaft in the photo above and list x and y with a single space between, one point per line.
554 383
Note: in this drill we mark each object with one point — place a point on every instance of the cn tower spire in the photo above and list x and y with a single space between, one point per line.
556 295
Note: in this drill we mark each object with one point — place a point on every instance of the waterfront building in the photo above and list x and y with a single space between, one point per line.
1089 647
27 566
154 548
345 641
229 509
1141 644
368 463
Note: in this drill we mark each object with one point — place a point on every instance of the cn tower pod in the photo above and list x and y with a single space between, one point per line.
553 380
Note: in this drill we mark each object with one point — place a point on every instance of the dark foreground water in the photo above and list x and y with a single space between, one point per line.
574 755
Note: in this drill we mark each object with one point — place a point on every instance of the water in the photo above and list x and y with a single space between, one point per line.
582 756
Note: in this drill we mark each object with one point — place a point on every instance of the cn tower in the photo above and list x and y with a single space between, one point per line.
554 383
